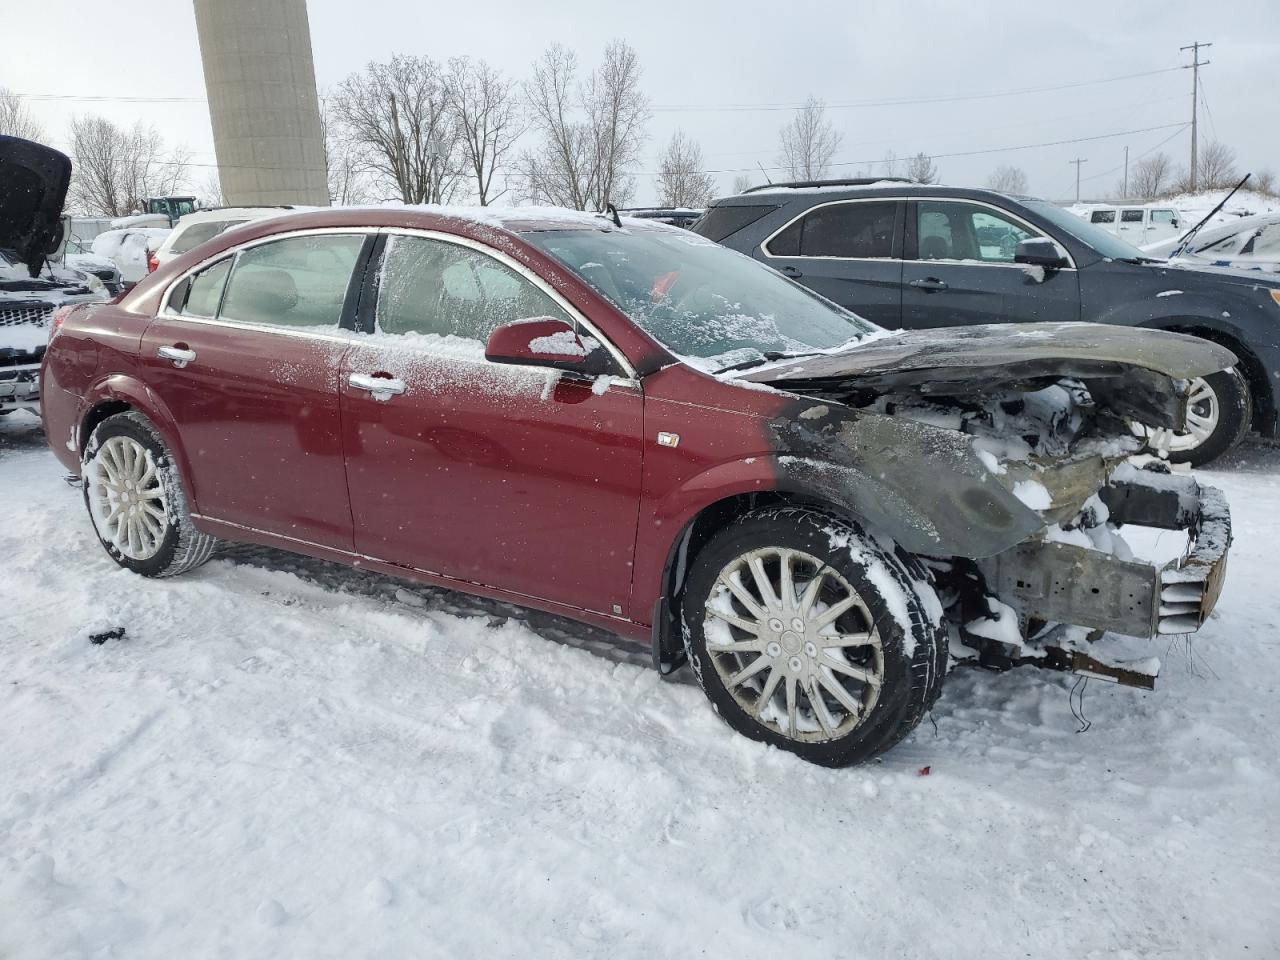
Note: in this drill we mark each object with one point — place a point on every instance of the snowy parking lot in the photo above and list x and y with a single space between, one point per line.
285 758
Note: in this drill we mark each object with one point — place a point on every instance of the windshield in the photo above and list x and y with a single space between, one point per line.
705 303
1106 244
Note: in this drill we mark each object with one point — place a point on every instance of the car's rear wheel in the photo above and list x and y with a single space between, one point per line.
806 634
136 502
1218 413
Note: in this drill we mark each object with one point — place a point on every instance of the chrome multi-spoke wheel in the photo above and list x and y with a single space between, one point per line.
794 644
126 498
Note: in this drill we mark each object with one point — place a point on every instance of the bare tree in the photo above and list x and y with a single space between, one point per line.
1008 179
345 167
921 169
808 142
211 190
681 179
591 131
1151 176
397 116
1264 181
15 119
1216 166
487 118
742 183
117 169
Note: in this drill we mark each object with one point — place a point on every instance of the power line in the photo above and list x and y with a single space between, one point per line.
1134 160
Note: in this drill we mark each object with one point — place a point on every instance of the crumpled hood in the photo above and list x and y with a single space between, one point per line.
33 187
1002 354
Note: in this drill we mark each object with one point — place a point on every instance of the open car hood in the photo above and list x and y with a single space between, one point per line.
33 188
960 359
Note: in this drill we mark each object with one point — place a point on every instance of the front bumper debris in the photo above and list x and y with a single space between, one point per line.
1065 583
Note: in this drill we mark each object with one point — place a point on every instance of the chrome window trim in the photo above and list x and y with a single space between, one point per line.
506 260
353 336
764 244
1037 231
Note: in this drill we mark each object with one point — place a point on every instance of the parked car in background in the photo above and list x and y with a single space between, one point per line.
130 249
33 187
195 228
637 428
676 216
903 254
1250 243
1137 224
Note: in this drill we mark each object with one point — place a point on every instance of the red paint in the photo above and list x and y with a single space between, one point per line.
507 481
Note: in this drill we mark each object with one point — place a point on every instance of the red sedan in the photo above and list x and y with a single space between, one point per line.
625 424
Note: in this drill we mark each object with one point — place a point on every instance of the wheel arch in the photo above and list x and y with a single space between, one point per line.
1255 374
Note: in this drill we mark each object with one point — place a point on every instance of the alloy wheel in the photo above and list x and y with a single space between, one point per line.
1203 415
794 644
126 498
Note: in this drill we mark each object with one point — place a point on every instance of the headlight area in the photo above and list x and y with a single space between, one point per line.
1047 601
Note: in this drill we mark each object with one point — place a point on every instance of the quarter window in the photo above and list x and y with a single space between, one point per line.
434 287
295 282
862 230
206 290
948 230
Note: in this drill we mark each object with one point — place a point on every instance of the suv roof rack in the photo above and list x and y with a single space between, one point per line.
851 182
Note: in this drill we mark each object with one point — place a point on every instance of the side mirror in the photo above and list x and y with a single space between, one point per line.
1039 252
547 342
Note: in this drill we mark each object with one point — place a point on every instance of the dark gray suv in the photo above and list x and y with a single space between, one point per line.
904 254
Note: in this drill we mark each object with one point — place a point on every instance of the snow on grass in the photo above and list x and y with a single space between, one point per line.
284 759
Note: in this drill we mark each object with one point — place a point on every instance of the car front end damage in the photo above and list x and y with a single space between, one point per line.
1002 468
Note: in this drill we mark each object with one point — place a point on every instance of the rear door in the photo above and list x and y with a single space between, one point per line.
1133 225
960 270
850 252
246 356
520 478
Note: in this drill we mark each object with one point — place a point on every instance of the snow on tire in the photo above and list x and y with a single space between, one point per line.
136 502
807 634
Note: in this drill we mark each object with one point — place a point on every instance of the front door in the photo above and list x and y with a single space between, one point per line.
850 252
250 375
520 478
960 270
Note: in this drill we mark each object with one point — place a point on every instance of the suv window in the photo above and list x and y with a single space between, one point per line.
722 221
1130 216
951 230
1163 216
434 287
1102 216
861 229
295 282
206 290
198 233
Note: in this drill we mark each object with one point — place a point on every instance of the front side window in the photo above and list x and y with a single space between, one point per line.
433 287
1130 216
860 230
1167 217
295 282
206 290
948 230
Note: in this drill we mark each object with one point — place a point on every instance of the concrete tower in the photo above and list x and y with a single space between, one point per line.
262 101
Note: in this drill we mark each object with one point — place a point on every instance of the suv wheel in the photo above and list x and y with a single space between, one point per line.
806 634
136 502
1218 414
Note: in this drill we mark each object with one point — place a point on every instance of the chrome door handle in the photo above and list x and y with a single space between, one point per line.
178 355
382 388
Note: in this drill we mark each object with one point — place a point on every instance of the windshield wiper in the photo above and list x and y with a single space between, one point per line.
768 357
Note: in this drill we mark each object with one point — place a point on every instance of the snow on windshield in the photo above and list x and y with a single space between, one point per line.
707 304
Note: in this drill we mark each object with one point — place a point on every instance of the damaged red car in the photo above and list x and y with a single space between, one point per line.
623 423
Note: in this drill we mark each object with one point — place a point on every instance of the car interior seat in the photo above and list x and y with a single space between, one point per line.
934 248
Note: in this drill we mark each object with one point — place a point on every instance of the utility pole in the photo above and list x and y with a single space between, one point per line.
1077 161
1124 192
1195 65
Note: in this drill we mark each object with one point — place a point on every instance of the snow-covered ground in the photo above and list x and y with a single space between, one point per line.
285 758
1194 207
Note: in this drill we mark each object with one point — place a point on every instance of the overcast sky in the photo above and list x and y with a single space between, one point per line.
712 67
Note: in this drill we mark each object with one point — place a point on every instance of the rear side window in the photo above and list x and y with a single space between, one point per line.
862 230
433 287
296 282
1102 216
1130 216
206 290
198 233
723 221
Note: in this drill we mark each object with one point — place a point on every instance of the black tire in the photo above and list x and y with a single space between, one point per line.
181 547
1235 412
911 682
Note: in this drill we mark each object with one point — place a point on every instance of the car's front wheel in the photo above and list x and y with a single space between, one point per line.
806 634
1219 410
136 502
